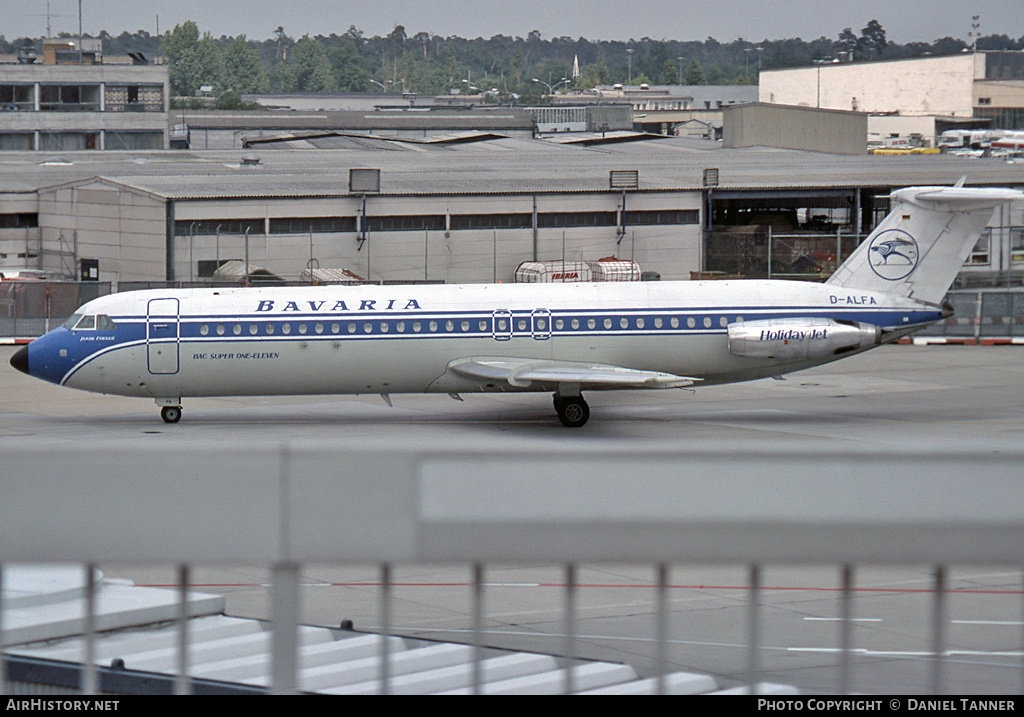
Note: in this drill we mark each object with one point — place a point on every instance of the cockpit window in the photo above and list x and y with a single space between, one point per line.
78 322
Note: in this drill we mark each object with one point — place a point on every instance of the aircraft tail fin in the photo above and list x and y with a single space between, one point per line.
919 248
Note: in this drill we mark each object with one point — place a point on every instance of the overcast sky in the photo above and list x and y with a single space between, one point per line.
725 20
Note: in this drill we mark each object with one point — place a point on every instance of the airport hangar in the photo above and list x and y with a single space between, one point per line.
469 210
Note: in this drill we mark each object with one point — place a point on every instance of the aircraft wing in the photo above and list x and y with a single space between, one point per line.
522 372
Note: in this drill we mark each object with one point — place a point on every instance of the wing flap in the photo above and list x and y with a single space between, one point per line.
523 372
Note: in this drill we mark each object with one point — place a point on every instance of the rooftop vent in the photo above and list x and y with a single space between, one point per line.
27 54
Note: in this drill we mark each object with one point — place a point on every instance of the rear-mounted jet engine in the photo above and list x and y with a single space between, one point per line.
800 338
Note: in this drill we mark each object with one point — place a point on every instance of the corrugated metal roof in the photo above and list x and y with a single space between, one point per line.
360 120
493 167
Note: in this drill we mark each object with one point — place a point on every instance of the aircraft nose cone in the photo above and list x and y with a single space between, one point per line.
20 359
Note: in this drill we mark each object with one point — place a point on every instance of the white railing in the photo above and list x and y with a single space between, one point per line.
374 502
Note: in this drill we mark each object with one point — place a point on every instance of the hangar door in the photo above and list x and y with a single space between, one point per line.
162 335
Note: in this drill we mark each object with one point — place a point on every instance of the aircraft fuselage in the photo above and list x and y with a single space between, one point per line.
402 339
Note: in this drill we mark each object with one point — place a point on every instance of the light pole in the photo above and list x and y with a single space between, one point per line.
819 63
629 73
817 102
551 88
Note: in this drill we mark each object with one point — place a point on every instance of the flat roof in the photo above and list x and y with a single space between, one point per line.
499 166
382 120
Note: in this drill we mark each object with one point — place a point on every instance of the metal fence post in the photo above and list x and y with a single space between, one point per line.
754 629
938 629
285 619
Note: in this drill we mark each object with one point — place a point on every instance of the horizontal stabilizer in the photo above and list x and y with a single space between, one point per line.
964 199
523 372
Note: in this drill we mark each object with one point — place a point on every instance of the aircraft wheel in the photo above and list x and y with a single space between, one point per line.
170 414
573 411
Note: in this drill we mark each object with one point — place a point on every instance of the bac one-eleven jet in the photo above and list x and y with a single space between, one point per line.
561 338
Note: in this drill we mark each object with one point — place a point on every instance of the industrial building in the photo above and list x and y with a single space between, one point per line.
347 129
805 128
75 100
682 110
468 212
923 95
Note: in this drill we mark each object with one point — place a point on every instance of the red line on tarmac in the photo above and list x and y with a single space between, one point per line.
952 591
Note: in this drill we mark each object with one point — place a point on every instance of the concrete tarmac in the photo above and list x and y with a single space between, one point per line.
886 398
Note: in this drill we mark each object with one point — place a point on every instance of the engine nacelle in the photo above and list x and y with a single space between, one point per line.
809 338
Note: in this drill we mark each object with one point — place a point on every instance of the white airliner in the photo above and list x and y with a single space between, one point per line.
561 338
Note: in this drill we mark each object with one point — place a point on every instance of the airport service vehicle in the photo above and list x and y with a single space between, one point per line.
954 139
565 339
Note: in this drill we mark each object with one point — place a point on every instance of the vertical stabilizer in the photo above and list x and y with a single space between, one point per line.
919 248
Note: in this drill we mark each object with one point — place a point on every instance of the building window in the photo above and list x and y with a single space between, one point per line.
134 140
1017 244
183 227
16 98
17 141
398 223
491 221
312 225
69 98
980 254
68 141
19 221
134 98
663 216
984 101
567 220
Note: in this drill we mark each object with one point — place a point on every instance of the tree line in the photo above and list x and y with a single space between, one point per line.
502 68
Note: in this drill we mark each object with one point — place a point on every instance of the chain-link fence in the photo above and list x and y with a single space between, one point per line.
747 253
31 308
980 315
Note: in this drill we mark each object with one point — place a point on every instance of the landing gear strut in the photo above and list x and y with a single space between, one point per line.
572 411
170 414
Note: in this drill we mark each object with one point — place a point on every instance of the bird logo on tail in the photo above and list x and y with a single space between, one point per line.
893 255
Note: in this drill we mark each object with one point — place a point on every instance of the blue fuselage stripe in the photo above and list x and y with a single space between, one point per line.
499 325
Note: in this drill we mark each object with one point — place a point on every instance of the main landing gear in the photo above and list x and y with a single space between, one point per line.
572 411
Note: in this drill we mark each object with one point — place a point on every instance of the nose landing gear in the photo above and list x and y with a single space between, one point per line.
170 409
170 414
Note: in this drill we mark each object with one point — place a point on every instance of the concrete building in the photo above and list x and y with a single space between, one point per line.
923 95
805 128
75 101
596 117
